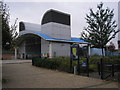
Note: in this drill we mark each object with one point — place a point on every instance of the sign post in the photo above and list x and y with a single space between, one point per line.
75 55
78 54
71 57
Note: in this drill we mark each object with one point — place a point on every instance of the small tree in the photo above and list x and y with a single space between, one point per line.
111 47
8 33
6 37
14 33
101 27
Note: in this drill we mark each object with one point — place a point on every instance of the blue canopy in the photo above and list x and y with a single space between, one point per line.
48 38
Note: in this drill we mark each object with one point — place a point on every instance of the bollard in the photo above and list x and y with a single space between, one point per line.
98 66
75 70
112 70
71 64
101 68
87 66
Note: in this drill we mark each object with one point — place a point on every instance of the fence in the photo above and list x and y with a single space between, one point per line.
106 70
7 55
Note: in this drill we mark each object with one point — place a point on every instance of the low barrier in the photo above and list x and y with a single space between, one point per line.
106 70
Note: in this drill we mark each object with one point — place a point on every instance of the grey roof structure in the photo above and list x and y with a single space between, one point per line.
56 16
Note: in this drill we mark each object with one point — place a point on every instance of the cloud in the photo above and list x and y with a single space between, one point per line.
61 0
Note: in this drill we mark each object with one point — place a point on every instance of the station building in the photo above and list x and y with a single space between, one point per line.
119 25
51 38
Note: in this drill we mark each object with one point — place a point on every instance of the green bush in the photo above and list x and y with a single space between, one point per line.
4 80
107 59
93 67
63 63
59 63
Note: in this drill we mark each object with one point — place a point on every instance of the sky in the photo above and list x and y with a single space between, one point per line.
33 10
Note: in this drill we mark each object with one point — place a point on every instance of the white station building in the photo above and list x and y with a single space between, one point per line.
119 25
52 38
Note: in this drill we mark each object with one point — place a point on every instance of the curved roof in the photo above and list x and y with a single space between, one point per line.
48 38
56 16
29 26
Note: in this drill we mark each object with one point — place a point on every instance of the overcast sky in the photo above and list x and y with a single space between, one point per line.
33 11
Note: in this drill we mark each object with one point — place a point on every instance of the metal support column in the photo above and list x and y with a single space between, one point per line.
16 53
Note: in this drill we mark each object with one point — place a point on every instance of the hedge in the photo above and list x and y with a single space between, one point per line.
107 59
63 63
60 63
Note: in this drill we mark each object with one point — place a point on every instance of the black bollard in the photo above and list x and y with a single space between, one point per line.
70 65
112 70
101 67
98 66
87 66
78 64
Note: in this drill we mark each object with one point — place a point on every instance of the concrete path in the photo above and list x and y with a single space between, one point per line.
15 61
24 75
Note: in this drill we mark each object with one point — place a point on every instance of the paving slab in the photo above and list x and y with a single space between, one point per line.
24 75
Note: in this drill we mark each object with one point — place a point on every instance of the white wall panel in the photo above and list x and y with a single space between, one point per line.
56 30
60 49
44 46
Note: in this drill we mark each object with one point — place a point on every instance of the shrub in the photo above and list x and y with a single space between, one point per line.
59 63
107 59
4 80
63 63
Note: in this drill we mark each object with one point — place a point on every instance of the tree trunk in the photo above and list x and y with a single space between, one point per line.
102 51
106 51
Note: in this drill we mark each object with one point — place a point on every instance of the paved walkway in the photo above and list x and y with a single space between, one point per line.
15 61
24 75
